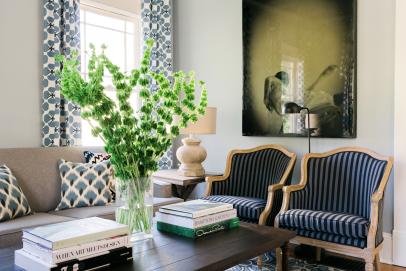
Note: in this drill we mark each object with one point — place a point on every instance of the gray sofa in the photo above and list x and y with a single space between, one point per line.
37 173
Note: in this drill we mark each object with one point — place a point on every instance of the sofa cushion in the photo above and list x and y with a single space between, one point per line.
36 170
11 231
13 203
84 184
346 225
34 220
107 212
248 209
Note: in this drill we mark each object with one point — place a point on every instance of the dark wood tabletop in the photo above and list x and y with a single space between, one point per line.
217 251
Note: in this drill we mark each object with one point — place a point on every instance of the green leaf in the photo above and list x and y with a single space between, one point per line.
135 139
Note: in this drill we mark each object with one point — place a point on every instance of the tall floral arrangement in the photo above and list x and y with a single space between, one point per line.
135 138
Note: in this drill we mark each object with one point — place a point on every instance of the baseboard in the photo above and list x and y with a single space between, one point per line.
386 252
399 248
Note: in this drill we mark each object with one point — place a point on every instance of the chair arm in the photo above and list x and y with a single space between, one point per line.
376 197
287 190
216 178
210 180
293 188
274 187
270 202
374 219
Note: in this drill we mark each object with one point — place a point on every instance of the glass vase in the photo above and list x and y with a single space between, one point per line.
135 198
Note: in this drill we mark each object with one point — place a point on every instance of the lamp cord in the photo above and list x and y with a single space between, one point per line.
308 125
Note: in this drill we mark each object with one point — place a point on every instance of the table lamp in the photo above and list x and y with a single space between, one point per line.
312 119
191 155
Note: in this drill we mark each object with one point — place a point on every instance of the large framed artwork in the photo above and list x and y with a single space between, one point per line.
299 53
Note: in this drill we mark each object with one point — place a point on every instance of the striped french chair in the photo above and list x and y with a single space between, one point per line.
338 203
253 182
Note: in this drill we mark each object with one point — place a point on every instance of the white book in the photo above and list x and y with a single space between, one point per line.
196 208
194 223
75 232
79 251
31 263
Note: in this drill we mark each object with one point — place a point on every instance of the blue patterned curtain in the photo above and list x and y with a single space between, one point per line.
61 122
157 24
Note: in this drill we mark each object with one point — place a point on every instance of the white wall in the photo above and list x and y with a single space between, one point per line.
20 73
399 231
208 39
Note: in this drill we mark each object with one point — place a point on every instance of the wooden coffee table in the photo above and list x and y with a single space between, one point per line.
217 251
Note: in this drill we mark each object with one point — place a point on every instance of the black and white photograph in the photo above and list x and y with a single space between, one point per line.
299 58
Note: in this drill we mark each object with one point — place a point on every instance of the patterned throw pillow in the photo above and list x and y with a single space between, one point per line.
94 158
13 202
84 184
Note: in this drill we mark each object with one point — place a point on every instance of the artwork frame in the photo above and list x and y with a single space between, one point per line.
281 66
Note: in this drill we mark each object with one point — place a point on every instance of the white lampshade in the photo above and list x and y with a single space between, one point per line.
205 124
293 123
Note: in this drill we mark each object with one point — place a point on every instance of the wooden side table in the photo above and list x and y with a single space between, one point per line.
182 186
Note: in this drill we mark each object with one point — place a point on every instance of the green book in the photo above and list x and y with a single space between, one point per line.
198 232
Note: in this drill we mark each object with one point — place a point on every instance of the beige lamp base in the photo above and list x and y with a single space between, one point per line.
191 155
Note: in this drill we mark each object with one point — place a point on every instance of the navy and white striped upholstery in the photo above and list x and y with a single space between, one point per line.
247 185
335 223
343 183
335 204
252 173
248 209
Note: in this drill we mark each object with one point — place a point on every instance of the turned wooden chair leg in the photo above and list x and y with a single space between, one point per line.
369 264
377 263
318 254
259 262
278 255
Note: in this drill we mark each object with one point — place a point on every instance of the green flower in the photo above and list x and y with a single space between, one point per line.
135 138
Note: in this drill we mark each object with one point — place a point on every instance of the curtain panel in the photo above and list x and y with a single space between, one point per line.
61 122
157 24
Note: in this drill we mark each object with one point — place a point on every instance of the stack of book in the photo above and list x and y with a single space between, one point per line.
82 244
196 218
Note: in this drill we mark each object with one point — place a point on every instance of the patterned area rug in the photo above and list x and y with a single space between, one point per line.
300 265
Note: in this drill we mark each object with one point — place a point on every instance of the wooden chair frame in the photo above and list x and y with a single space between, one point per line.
371 253
271 188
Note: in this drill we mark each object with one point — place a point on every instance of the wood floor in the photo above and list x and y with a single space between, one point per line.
385 267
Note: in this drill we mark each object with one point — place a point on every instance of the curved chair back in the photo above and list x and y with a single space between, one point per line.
342 180
251 171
